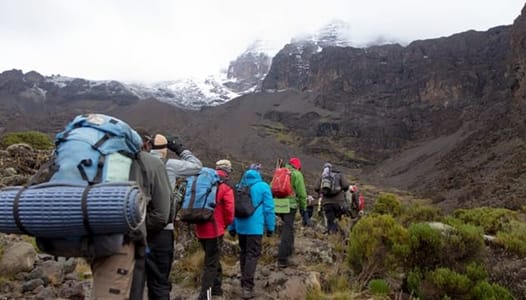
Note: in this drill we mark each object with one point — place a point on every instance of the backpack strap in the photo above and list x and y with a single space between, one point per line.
16 210
102 158
84 206
192 193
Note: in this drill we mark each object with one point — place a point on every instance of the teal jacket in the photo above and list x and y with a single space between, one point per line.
263 217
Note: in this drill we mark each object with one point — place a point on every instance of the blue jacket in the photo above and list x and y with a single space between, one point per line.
263 217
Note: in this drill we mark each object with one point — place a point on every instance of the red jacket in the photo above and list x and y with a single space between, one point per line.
223 213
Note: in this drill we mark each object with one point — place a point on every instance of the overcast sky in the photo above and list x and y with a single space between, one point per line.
153 40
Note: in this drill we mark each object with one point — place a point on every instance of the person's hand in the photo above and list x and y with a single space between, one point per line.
175 144
269 233
232 233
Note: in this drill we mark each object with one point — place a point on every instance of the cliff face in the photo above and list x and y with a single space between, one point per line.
418 87
518 67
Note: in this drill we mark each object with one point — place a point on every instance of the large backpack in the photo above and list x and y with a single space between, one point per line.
281 185
330 183
95 148
244 207
199 199
89 202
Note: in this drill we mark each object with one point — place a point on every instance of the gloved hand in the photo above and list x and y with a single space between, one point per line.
175 144
269 233
232 233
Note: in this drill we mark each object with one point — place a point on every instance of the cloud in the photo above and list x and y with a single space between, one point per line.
165 39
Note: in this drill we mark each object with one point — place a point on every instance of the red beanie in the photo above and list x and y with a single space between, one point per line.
295 162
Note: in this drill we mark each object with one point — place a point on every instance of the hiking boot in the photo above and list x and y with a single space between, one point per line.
282 264
247 293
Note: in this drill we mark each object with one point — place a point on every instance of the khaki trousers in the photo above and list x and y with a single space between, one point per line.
112 275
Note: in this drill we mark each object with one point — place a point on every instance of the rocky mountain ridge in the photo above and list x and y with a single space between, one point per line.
244 74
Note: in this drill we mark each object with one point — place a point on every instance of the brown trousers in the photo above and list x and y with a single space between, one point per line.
112 275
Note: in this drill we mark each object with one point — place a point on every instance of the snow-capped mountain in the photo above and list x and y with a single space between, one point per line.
186 93
336 33
245 74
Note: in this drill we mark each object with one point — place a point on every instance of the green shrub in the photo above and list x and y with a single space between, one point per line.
463 243
515 239
417 213
387 204
476 272
413 280
449 282
492 220
379 287
377 241
484 290
35 139
425 244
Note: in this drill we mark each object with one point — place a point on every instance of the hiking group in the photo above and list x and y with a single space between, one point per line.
130 245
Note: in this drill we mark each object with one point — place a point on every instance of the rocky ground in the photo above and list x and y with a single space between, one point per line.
25 273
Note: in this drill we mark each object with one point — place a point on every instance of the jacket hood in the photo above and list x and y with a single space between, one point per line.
222 173
157 153
251 177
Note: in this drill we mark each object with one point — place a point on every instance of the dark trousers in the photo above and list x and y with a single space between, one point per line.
212 268
332 213
250 252
310 211
286 244
159 263
139 273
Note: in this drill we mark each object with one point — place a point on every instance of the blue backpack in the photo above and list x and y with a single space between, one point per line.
93 153
95 148
199 199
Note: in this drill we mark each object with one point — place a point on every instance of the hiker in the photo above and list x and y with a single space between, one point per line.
287 209
331 186
156 216
250 229
210 233
161 243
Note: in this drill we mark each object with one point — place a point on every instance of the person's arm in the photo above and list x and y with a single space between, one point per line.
301 191
344 183
317 185
157 217
228 200
268 208
188 165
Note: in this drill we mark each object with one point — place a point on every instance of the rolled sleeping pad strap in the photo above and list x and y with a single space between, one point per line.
55 209
16 211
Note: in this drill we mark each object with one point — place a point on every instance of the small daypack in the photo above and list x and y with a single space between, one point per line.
244 207
281 185
199 199
89 203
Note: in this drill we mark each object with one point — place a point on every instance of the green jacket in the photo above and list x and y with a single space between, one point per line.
157 190
299 199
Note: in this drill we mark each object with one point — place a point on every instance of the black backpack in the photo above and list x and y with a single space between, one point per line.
243 203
